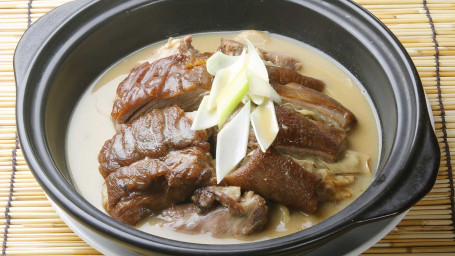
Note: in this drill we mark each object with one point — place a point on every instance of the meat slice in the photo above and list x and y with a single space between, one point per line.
220 221
327 109
300 136
177 79
152 135
279 75
234 48
278 178
150 185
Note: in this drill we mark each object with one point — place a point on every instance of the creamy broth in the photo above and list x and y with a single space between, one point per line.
91 126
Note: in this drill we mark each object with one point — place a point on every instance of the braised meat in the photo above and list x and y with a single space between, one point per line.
278 178
150 185
234 48
220 221
278 75
177 79
152 135
205 198
327 109
299 135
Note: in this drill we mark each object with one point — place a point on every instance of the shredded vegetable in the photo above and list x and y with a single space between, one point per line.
265 125
238 80
232 142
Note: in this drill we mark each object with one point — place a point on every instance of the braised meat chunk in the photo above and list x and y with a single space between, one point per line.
220 221
152 135
327 109
278 178
234 48
150 185
299 135
205 198
180 79
278 75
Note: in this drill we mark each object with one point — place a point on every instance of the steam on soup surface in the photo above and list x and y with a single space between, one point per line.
158 174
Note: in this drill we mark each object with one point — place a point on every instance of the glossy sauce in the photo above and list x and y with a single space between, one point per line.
91 126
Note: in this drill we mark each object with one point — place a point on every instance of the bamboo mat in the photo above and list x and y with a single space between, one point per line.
426 28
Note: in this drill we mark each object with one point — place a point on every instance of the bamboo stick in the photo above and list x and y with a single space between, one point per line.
39 230
414 254
425 228
35 251
424 222
30 209
417 209
47 244
428 216
409 244
27 215
24 5
32 221
44 239
413 249
27 203
385 240
57 236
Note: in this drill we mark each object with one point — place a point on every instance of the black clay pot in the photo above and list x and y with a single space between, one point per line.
63 52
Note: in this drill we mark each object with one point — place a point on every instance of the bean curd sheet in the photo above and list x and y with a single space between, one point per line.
344 178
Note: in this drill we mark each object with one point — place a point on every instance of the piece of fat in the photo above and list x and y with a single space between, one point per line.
352 162
265 125
170 48
232 142
302 111
233 192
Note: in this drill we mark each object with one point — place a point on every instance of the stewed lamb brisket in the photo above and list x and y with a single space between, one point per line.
220 220
278 178
179 78
298 136
326 108
279 75
152 135
151 185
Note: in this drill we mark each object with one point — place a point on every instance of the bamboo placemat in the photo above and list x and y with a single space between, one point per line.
425 27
